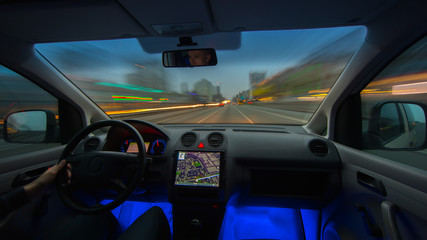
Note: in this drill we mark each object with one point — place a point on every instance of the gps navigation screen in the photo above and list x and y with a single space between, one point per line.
198 169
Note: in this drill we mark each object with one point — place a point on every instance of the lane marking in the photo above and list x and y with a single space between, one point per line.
244 115
283 116
179 116
208 116
168 115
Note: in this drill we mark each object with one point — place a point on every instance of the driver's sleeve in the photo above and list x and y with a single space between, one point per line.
13 200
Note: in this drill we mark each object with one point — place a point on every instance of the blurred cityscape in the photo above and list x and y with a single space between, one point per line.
149 87
301 87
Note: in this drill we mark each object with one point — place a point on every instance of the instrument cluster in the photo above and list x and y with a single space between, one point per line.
156 147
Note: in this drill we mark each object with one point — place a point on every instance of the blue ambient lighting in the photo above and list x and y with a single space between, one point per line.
311 221
261 223
240 222
129 211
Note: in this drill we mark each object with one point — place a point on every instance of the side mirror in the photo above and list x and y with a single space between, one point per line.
30 126
399 125
190 58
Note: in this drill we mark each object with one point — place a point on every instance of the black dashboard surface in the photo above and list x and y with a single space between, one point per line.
271 165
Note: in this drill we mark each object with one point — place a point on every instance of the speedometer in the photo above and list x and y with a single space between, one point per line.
130 146
157 147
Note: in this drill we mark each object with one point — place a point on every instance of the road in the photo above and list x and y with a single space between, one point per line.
229 114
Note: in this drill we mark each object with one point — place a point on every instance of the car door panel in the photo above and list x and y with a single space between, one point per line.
359 210
42 214
12 167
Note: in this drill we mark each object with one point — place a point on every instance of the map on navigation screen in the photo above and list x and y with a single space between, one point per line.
198 169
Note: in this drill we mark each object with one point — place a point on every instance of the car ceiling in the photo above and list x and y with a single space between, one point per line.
72 20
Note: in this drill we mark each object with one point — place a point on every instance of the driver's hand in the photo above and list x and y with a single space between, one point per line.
37 186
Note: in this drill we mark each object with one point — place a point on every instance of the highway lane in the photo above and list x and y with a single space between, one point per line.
229 114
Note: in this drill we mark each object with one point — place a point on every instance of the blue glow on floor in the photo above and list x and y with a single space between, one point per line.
240 222
131 210
261 223
311 221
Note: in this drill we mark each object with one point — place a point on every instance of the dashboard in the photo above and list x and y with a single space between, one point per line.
213 164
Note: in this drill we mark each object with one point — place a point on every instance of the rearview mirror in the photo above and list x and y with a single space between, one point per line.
190 58
399 125
30 126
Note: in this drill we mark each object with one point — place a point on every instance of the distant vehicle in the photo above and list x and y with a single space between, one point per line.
221 104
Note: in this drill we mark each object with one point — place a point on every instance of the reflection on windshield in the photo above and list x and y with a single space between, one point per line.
276 77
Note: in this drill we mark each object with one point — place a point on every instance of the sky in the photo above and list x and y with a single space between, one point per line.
266 51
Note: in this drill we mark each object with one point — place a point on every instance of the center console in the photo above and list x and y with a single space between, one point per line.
197 194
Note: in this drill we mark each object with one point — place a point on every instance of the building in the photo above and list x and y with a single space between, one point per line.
255 78
204 89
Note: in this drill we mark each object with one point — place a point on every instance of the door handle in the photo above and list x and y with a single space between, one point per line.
372 227
371 183
27 177
388 211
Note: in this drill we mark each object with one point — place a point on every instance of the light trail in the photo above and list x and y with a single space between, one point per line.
326 90
393 92
140 66
152 109
131 98
398 79
129 86
410 88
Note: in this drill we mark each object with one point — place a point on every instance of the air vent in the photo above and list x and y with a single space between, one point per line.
319 148
188 139
91 145
215 139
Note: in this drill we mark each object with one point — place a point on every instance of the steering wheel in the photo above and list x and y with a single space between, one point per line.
100 171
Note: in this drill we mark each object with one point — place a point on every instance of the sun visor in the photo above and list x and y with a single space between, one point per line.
217 41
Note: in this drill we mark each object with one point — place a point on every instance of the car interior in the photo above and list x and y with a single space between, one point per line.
239 119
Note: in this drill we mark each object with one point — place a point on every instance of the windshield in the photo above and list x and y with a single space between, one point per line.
275 77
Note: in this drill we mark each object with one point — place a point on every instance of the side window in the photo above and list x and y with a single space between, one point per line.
394 107
30 110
